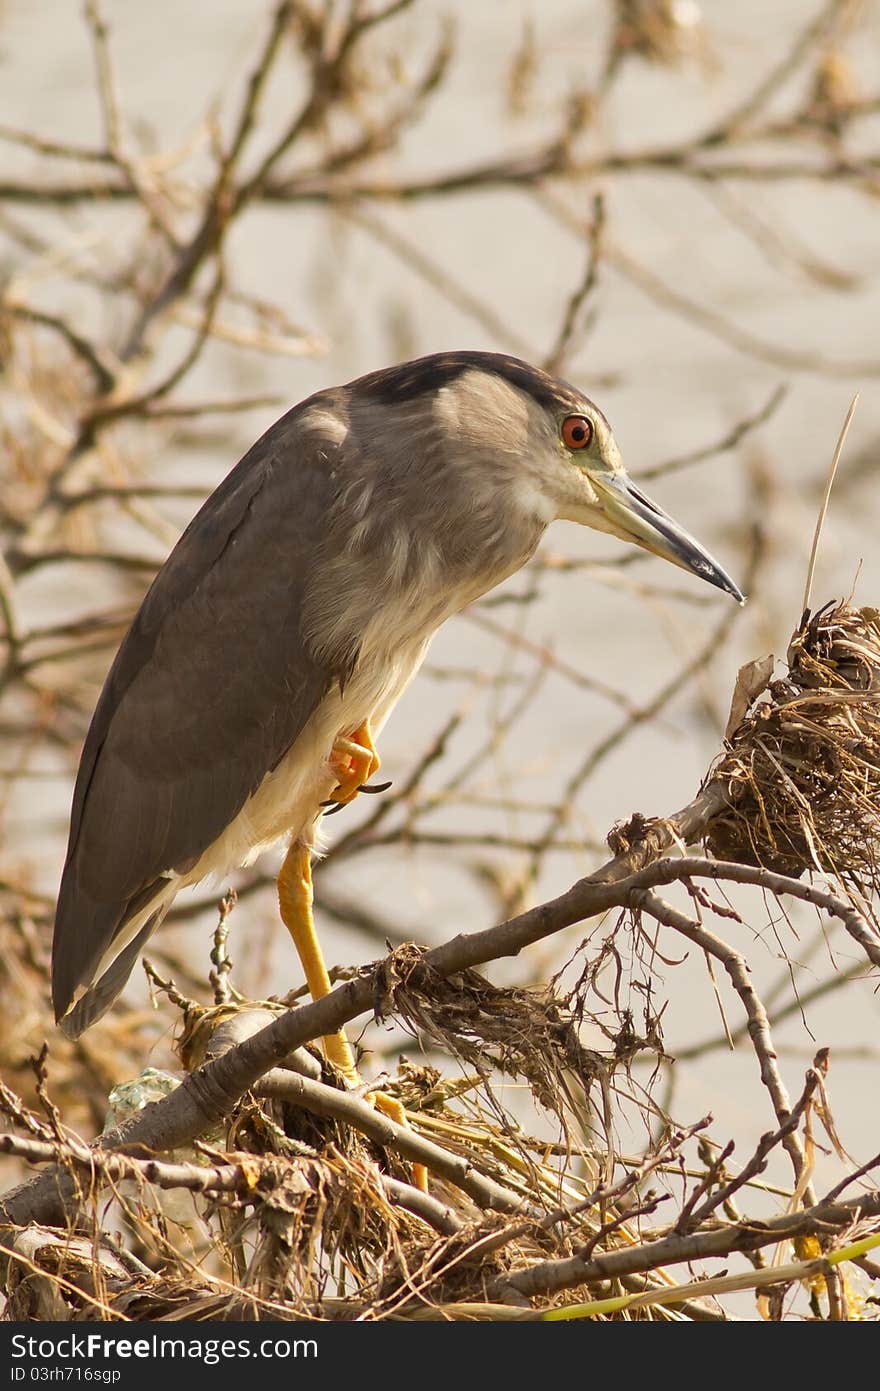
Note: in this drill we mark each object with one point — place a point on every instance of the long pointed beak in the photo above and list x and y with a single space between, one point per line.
638 519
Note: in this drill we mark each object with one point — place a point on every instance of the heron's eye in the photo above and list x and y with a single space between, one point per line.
577 431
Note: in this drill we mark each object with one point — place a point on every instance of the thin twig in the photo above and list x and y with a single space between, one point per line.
826 498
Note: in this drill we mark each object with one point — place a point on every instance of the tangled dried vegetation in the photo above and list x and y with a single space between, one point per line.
802 773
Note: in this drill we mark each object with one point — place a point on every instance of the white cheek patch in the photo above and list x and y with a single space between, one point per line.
588 492
534 501
577 500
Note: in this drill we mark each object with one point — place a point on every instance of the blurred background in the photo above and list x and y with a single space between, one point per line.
208 212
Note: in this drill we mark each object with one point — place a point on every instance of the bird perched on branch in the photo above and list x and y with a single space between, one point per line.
290 618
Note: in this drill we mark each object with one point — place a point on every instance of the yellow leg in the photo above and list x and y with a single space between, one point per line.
356 761
295 900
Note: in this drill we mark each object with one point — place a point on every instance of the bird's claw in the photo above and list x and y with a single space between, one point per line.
333 806
355 761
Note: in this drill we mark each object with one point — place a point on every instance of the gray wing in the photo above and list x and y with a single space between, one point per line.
211 686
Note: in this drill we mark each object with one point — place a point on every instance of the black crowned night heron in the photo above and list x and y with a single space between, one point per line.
290 618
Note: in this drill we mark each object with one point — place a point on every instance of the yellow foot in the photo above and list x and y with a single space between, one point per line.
355 761
393 1109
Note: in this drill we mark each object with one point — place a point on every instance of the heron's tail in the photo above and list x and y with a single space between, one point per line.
96 1001
95 947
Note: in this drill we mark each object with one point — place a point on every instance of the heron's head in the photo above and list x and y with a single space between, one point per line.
539 443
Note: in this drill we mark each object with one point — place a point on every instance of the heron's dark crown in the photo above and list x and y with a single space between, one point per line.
424 375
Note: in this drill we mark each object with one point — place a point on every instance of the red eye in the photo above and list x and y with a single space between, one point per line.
577 431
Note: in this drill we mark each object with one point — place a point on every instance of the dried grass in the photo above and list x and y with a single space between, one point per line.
802 768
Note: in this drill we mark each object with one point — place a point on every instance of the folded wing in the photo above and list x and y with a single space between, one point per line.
212 685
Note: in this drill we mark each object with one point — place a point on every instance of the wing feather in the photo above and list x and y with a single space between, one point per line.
212 685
